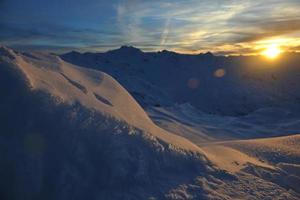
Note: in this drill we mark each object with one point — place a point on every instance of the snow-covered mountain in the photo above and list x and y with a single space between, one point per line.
70 131
214 84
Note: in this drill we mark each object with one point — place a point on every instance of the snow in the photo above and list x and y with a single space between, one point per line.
165 128
74 84
274 150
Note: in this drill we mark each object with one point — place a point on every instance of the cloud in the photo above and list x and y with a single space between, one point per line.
295 48
182 25
165 32
265 19
52 34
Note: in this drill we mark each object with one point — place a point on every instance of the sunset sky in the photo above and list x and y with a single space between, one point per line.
187 26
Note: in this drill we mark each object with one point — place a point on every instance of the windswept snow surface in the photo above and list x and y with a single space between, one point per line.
70 132
201 127
92 89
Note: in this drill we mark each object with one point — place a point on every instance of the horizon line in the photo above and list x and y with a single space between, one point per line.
64 50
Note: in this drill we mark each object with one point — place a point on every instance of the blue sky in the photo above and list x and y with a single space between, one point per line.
189 26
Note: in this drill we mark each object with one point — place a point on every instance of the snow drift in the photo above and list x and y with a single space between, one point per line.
74 133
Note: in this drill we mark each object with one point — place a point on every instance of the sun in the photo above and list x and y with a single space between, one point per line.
272 52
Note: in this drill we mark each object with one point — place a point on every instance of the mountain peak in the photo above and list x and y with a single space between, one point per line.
208 54
73 53
127 50
167 52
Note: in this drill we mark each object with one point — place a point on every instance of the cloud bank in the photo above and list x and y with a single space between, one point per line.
188 26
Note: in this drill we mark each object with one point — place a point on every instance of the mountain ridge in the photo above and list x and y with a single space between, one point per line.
202 80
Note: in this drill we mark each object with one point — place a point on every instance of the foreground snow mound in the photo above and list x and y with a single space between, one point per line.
58 141
92 89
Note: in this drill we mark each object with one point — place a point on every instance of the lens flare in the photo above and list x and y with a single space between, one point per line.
219 73
193 83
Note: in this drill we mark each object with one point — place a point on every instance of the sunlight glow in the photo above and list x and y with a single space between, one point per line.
272 52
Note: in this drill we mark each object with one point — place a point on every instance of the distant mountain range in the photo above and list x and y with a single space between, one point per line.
234 85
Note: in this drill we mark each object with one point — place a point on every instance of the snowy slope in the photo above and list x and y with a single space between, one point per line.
201 127
274 150
91 88
281 152
69 132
